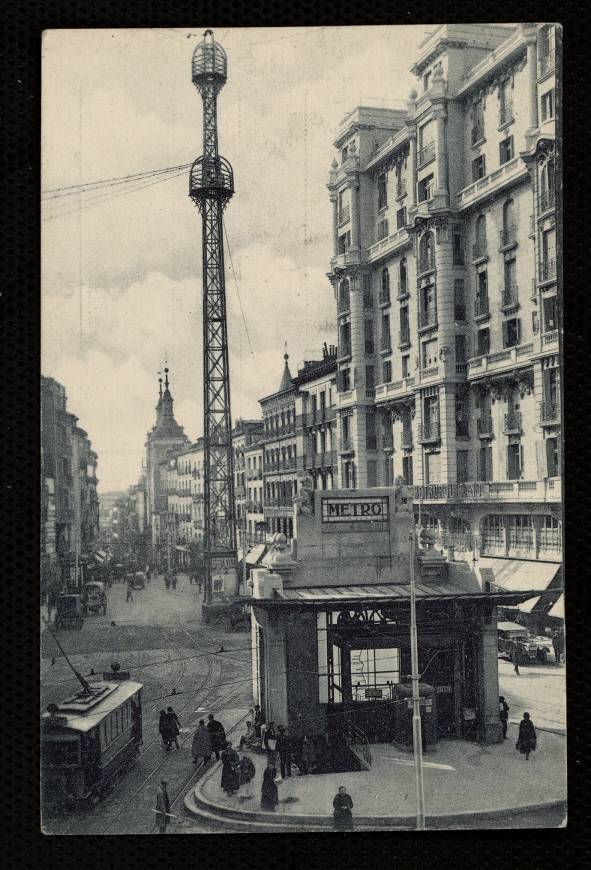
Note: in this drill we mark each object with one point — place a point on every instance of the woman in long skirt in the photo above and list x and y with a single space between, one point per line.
527 739
230 770
343 804
269 793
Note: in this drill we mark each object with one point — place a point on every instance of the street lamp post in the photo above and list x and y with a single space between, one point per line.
416 698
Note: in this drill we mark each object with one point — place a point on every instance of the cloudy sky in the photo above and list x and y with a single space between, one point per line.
122 270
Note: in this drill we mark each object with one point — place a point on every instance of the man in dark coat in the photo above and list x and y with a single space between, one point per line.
503 714
174 725
283 748
162 808
259 719
217 734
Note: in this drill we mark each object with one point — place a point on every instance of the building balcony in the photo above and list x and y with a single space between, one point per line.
547 270
512 423
344 215
402 291
477 134
239 491
429 432
546 63
256 474
550 338
320 415
425 154
499 362
484 427
347 258
509 297
426 264
384 297
547 490
406 439
504 176
394 389
427 319
549 413
401 189
403 338
385 344
344 351
479 250
508 237
384 247
546 201
388 441
326 459
343 304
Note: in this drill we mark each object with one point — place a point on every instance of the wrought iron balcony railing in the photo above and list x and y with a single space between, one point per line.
479 249
548 269
477 133
481 307
508 236
510 296
506 113
484 425
429 431
426 153
549 412
547 200
546 63
512 422
344 215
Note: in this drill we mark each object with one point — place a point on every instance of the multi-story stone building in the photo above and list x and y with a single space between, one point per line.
445 276
316 436
280 454
69 501
165 439
255 511
245 433
182 523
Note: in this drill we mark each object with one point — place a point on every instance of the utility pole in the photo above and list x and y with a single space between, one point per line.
416 697
211 187
244 551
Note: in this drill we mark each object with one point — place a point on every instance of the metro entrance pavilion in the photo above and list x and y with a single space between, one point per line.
331 625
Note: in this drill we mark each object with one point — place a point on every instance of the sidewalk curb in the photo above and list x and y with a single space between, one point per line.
560 731
198 806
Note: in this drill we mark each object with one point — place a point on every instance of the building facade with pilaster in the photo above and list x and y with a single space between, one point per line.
244 434
446 277
316 409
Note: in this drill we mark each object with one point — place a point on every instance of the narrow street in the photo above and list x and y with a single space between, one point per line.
159 637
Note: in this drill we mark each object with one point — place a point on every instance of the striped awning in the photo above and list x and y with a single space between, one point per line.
517 574
557 609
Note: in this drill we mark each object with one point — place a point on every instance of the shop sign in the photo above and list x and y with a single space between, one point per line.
443 690
355 510
373 693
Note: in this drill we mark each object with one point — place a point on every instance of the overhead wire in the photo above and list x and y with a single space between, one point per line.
72 189
236 285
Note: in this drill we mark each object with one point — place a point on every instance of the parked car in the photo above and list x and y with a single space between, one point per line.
515 639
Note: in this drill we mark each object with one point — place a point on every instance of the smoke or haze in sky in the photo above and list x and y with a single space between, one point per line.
122 277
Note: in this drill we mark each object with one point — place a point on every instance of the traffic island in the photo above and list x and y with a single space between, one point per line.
480 782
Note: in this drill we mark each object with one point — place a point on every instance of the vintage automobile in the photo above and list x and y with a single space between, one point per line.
515 641
95 597
69 611
138 580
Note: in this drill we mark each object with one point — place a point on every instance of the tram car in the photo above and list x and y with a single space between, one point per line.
89 739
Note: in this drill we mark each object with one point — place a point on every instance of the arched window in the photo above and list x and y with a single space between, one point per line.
426 253
547 184
403 275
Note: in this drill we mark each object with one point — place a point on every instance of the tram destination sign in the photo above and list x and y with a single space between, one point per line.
357 509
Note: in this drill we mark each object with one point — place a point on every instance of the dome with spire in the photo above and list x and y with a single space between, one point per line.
166 426
286 380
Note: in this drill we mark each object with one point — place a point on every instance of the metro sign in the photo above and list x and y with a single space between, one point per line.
355 510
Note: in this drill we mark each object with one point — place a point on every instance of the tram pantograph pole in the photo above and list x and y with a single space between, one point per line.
416 698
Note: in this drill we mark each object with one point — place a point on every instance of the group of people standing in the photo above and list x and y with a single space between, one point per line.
169 727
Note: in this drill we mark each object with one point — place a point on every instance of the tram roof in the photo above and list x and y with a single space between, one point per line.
388 593
79 720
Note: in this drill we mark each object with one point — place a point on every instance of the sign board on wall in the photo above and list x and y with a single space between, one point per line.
358 509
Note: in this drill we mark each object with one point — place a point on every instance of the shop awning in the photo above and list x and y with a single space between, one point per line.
558 608
510 626
389 593
255 555
515 575
528 606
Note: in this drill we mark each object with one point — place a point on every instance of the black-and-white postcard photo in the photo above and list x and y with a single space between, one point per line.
301 456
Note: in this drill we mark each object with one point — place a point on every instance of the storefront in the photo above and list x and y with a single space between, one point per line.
331 627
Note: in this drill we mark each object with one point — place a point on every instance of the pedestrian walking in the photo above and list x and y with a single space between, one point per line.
174 579
201 745
230 769
515 660
270 737
269 793
200 583
503 714
342 806
163 728
259 720
527 739
283 748
557 644
148 573
129 595
162 808
217 734
247 773
174 724
167 581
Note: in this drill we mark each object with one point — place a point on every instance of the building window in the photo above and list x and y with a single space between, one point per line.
459 300
385 288
372 472
386 343
480 249
382 191
425 188
477 121
386 371
426 253
429 353
432 468
485 462
553 457
505 103
345 380
343 296
427 306
403 276
405 366
344 242
344 210
548 262
407 474
461 355
462 466
345 339
548 105
427 81
493 533
521 532
382 230
506 150
547 185
481 301
369 348
511 332
344 154
400 218
514 461
457 246
404 337
370 377
478 167
550 538
483 341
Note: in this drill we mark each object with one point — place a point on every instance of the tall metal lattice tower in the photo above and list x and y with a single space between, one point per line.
211 186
